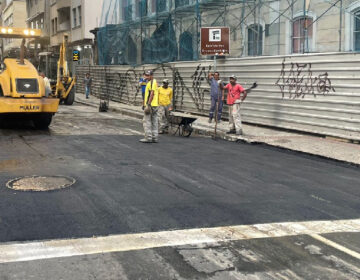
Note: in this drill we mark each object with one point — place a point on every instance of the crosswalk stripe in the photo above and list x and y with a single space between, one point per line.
336 246
29 251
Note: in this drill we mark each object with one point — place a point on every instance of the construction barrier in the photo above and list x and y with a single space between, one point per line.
316 93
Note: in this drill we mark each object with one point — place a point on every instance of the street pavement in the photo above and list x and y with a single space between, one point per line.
185 208
325 147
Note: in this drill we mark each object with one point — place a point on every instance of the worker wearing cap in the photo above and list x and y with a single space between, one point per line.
165 101
151 104
235 97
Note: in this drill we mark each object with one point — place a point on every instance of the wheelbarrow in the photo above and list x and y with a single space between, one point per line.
183 123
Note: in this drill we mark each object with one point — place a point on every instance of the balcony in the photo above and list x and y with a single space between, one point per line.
64 19
60 4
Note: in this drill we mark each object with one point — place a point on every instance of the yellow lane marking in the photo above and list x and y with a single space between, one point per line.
29 251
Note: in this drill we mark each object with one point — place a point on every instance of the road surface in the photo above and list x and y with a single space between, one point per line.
185 208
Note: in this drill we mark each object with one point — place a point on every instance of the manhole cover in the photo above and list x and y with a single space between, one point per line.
40 183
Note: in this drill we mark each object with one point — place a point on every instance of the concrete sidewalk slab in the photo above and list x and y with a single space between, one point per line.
295 141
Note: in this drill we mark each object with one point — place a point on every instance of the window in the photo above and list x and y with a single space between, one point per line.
255 39
153 6
357 31
9 21
302 35
160 6
180 3
141 8
53 26
80 16
127 10
74 17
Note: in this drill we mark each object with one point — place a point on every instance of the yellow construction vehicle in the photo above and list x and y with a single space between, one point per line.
64 87
22 90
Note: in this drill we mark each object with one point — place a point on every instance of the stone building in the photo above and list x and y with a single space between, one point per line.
258 27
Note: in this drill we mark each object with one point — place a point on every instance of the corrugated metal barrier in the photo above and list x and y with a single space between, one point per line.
317 93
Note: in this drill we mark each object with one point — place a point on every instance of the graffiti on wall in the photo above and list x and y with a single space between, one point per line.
123 85
300 81
200 84
128 86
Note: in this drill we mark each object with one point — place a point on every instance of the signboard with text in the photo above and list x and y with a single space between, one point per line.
215 41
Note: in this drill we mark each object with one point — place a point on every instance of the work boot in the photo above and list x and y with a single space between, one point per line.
155 140
210 120
144 140
231 131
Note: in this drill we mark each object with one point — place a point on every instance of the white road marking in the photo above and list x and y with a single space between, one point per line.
29 251
336 246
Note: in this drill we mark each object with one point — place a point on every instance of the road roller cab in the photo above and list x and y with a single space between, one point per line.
22 90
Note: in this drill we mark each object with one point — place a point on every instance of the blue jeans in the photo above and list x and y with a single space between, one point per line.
214 101
87 91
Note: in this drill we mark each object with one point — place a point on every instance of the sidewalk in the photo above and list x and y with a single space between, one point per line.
324 147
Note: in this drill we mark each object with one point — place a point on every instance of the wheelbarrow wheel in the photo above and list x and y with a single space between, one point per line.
186 130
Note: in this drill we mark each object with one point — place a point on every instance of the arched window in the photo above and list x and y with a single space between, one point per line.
302 35
186 46
357 30
132 51
255 39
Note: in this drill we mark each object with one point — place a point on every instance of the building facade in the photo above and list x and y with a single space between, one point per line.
75 18
13 15
57 18
258 27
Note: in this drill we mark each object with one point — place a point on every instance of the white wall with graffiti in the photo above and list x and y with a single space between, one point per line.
316 93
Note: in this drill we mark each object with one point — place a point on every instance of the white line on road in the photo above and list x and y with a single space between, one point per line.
29 251
336 246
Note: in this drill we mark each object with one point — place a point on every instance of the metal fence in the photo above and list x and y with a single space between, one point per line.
311 93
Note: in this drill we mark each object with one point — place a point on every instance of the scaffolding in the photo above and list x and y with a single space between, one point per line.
137 32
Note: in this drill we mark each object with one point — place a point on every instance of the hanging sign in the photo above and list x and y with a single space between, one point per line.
76 55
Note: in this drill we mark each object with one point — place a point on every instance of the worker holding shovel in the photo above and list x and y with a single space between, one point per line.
217 96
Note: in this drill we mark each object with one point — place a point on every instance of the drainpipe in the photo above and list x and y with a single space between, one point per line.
340 26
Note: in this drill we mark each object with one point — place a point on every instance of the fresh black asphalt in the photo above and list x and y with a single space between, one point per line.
124 186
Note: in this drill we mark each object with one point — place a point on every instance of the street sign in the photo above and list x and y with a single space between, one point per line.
76 55
215 40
